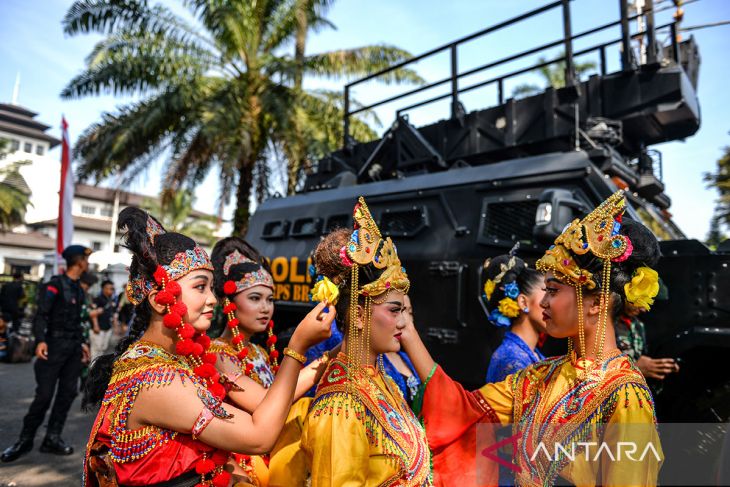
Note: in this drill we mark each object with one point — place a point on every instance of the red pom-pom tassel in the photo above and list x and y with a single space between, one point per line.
249 367
205 371
229 308
242 354
197 349
237 339
203 467
186 331
164 298
204 341
173 288
271 324
179 308
220 457
221 479
233 323
172 320
217 390
274 354
229 287
160 275
210 358
184 347
271 340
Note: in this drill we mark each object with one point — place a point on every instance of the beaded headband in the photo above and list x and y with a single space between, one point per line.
185 262
259 277
597 233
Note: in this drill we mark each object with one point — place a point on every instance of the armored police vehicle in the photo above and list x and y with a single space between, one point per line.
470 186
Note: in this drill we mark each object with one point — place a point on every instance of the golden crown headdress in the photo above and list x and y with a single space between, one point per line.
597 233
367 246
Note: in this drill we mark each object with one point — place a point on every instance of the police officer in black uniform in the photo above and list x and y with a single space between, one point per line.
60 348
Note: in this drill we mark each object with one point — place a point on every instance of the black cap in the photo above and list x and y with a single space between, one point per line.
74 250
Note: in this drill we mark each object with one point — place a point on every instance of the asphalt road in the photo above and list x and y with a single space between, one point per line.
17 384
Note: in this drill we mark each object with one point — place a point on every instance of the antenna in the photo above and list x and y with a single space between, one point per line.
16 89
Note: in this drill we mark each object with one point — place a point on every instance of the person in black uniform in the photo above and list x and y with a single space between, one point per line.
60 349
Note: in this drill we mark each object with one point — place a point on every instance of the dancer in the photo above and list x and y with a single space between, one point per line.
360 430
162 419
593 394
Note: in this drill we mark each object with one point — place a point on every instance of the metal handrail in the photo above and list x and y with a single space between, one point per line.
567 41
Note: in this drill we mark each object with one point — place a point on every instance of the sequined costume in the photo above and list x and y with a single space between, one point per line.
151 454
360 431
286 459
536 401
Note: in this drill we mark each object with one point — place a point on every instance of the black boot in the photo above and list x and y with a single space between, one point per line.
54 444
20 448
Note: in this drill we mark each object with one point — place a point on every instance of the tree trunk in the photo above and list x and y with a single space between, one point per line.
243 199
298 151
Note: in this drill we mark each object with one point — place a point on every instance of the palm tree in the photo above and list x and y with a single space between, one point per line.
224 95
175 212
554 75
14 192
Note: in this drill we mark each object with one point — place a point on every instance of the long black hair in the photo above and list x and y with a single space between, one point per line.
147 254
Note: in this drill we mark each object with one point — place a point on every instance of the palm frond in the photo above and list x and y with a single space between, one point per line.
361 62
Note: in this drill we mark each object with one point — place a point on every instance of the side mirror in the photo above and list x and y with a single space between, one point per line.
556 209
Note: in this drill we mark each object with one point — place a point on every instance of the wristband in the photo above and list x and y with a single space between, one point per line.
295 355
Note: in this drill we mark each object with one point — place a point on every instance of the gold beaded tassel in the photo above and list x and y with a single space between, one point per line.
352 338
600 338
365 353
581 330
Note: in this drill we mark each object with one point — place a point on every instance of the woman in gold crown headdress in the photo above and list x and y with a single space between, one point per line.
569 414
360 430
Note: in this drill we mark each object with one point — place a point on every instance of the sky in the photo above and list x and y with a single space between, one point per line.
32 44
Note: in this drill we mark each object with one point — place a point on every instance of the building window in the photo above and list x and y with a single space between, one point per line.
88 210
28 147
39 149
95 246
14 145
106 212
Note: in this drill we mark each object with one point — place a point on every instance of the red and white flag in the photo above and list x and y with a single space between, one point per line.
65 195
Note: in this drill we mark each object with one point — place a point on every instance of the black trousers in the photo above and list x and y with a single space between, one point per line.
62 369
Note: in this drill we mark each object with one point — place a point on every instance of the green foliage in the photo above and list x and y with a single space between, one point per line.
720 180
553 74
223 94
175 212
14 193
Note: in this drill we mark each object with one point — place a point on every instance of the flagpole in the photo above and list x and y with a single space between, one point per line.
64 227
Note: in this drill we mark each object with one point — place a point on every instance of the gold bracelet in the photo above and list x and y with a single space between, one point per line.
295 355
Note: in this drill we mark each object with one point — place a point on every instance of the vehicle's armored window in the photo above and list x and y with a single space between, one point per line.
306 227
275 229
506 222
337 221
405 222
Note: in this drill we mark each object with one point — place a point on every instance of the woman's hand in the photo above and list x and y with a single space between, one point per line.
314 328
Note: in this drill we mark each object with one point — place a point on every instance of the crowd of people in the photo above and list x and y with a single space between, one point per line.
355 398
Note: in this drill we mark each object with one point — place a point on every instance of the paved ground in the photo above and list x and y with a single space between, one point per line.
17 385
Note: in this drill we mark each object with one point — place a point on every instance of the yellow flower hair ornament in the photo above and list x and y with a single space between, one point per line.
324 289
643 288
489 287
509 308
